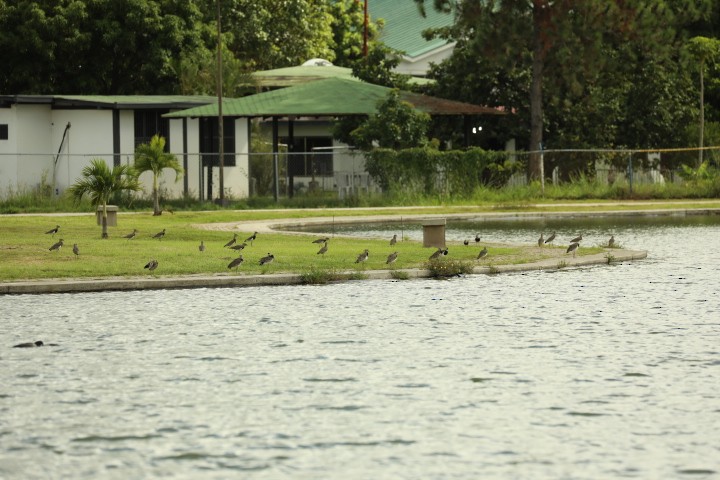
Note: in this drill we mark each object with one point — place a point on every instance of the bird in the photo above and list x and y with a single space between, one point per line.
477 238
231 242
201 247
39 343
159 235
438 253
267 259
238 246
151 265
466 242
323 250
363 256
391 258
550 238
393 240
611 242
321 240
236 263
541 240
577 239
76 250
53 231
131 235
251 238
483 253
573 248
57 245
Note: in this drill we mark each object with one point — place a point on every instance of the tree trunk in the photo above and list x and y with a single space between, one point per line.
156 197
104 221
536 106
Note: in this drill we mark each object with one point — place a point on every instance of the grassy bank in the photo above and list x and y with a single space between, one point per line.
25 254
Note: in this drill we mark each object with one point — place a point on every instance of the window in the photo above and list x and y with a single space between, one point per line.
209 141
310 156
149 123
3 131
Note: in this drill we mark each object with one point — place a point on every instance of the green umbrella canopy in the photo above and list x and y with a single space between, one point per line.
330 97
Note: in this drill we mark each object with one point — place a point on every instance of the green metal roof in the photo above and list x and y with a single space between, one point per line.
288 76
330 97
404 25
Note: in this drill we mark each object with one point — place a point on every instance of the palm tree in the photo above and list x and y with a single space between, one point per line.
100 184
153 157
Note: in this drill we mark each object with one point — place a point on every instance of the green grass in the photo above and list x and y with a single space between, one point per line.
24 249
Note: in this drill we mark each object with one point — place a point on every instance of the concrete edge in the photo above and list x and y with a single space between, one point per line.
229 280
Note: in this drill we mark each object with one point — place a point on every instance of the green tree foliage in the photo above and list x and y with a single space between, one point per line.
94 46
152 157
348 19
704 51
395 125
100 183
566 44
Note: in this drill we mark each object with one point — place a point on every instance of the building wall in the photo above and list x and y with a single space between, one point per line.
420 65
8 149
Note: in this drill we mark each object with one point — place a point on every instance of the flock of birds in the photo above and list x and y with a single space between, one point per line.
233 244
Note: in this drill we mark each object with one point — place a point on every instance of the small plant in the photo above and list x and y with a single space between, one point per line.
441 268
562 264
493 269
356 276
610 258
317 276
399 275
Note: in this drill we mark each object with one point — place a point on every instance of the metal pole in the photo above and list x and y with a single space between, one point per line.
276 173
630 172
542 168
221 147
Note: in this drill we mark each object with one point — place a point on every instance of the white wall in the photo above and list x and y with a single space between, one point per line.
90 136
8 150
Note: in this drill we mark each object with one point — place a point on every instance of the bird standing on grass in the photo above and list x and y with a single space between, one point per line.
321 240
267 259
483 253
323 250
541 240
57 245
76 250
438 253
466 242
151 265
573 248
53 231
577 239
477 238
236 263
131 235
550 238
201 247
393 240
251 238
391 258
159 235
611 242
238 246
231 242
363 256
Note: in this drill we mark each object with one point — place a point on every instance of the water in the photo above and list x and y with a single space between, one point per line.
602 372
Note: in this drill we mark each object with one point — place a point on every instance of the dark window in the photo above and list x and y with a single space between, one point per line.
209 141
3 131
310 156
149 123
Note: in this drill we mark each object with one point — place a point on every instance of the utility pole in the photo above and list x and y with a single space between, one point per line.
221 147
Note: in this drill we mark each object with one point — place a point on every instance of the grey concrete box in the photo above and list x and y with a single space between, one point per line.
434 233
111 215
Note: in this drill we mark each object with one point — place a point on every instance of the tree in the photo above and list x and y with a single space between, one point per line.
704 50
100 183
395 125
564 43
348 31
153 157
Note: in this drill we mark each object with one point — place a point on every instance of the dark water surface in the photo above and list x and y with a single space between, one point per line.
594 373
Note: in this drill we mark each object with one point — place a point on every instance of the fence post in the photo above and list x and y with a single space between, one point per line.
630 173
542 168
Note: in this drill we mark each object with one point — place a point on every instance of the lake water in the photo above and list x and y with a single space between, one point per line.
594 373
